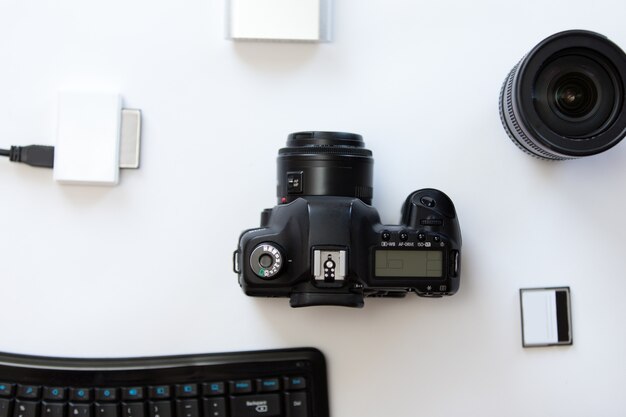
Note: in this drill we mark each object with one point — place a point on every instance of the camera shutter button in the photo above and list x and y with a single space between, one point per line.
428 201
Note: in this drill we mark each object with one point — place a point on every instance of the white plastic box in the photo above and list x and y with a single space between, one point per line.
88 132
287 20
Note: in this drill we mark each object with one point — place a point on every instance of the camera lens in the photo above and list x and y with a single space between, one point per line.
325 164
575 95
565 99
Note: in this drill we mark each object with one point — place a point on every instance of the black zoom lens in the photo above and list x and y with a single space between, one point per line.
324 164
565 99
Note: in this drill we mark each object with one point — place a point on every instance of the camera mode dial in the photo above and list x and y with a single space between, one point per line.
266 260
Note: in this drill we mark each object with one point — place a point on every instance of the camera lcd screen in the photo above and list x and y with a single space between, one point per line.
408 263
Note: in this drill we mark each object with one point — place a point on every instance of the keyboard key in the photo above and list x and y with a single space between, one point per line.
132 393
187 408
25 409
79 410
54 393
133 410
5 408
106 394
267 405
268 385
187 390
160 409
29 392
159 392
80 394
52 409
296 404
6 389
214 407
295 383
241 387
213 388
106 410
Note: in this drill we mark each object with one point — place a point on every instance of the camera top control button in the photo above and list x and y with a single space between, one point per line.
294 182
386 235
428 201
266 260
421 236
404 236
436 238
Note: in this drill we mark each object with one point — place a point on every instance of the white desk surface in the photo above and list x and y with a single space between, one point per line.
145 268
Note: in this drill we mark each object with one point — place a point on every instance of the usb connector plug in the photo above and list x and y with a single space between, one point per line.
33 155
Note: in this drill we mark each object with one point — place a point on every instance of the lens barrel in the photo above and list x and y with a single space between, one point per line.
565 98
325 164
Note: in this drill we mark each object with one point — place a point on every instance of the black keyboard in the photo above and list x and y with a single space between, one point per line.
272 383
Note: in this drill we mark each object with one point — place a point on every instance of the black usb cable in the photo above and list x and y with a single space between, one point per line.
33 155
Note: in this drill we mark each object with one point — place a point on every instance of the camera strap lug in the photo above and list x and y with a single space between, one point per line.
236 262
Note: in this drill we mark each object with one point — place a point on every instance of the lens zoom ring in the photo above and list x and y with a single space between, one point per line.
507 87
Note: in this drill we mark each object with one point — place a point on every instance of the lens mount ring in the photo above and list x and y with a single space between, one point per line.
527 104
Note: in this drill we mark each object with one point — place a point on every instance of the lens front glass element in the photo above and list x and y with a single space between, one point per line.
575 95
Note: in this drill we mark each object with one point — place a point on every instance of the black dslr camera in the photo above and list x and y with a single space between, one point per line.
323 244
